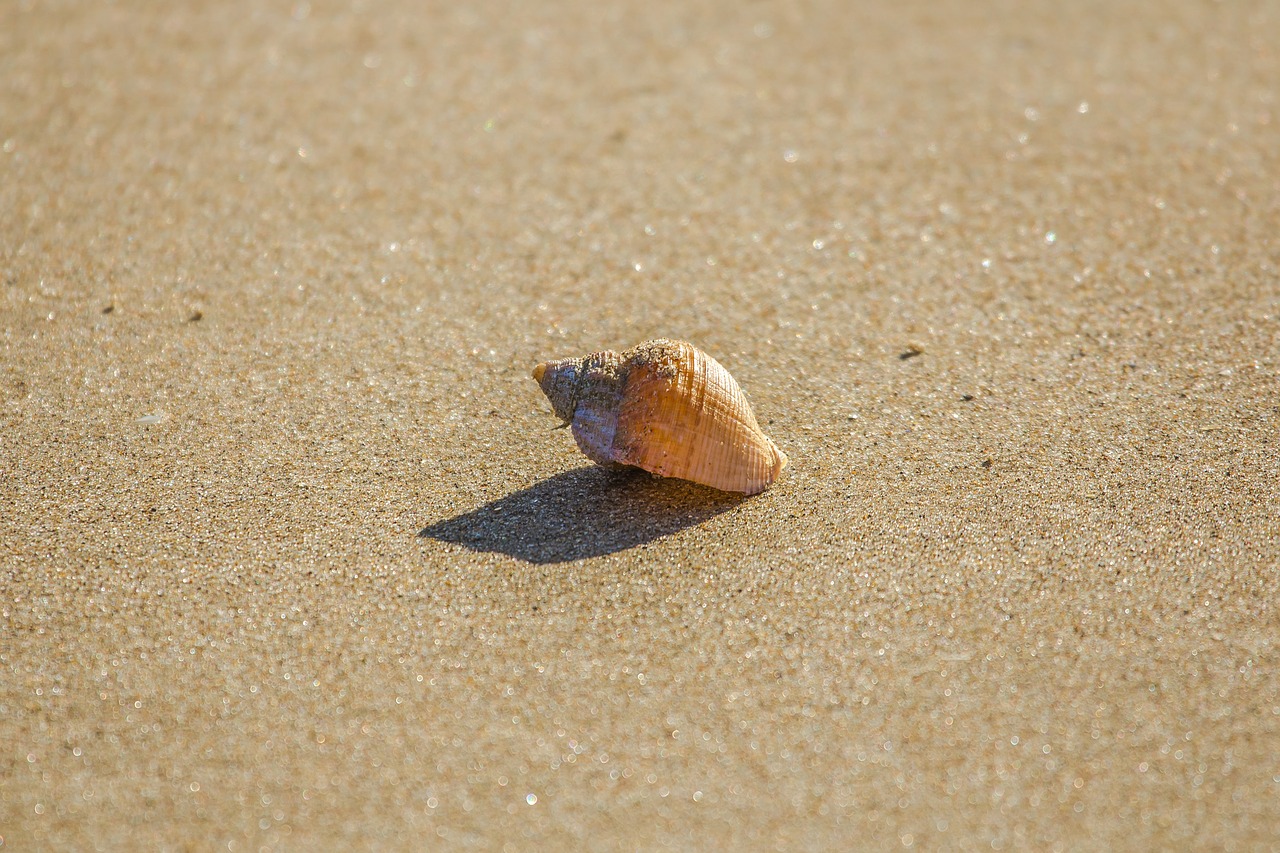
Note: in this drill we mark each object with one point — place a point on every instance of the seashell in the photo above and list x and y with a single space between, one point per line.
667 407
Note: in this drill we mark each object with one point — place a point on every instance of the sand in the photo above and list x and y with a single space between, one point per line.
291 557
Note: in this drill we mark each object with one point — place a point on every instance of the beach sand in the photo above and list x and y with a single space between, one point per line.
291 557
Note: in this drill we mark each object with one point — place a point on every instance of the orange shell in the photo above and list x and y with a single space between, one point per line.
667 407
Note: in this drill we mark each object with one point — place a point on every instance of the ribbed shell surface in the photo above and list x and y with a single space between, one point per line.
682 415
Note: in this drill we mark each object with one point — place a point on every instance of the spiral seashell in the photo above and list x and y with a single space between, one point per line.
667 407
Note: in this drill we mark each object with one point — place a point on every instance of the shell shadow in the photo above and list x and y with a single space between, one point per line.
586 512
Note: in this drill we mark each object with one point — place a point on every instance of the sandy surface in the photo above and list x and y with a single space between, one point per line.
290 557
